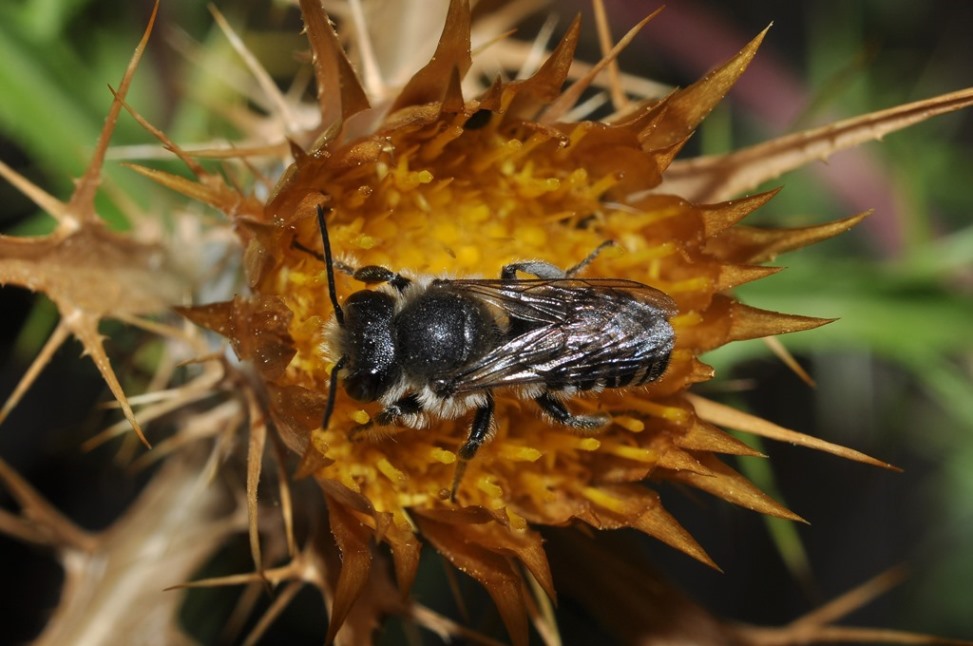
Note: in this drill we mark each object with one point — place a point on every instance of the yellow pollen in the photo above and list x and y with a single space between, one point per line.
538 485
700 284
347 479
406 220
499 153
417 499
594 191
442 455
318 441
640 256
686 320
402 520
495 229
630 423
363 241
360 416
358 197
422 202
517 522
532 236
432 149
633 453
578 179
567 442
664 213
390 472
589 444
578 134
519 453
297 278
670 413
604 500
468 255
531 187
535 140
446 232
489 488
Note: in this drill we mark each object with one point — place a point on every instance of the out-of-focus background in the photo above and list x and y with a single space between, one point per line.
894 375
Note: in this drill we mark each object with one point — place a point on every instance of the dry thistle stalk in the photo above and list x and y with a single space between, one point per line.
446 177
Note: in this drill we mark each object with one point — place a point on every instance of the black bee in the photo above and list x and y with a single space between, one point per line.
435 348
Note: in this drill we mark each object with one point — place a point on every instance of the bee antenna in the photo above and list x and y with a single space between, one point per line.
332 392
329 268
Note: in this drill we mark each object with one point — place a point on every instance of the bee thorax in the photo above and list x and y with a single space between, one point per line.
440 332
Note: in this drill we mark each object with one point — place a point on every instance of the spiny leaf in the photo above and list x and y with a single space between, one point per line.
685 109
754 245
340 94
570 97
430 83
720 177
725 483
494 572
732 418
353 538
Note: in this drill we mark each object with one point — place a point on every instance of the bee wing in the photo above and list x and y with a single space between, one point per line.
574 335
553 301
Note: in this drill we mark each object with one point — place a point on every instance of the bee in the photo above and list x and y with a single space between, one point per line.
430 348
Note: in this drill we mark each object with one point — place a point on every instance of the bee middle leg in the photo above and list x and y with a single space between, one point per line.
583 424
479 432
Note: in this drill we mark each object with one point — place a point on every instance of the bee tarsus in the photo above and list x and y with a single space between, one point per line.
558 412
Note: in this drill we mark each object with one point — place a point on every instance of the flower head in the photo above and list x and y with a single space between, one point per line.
441 183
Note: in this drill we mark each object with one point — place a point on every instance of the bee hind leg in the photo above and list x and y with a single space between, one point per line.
583 424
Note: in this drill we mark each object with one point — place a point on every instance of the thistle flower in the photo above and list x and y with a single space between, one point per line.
447 178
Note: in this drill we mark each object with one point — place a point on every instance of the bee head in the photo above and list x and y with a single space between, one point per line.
369 345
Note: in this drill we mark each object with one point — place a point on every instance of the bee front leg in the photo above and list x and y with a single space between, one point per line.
394 412
583 424
537 268
391 416
375 274
479 432
546 270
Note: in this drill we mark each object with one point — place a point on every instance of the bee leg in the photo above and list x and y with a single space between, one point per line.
408 405
537 268
375 274
587 261
546 270
584 424
390 416
479 432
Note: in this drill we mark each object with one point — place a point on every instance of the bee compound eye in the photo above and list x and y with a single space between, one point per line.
360 388
369 385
